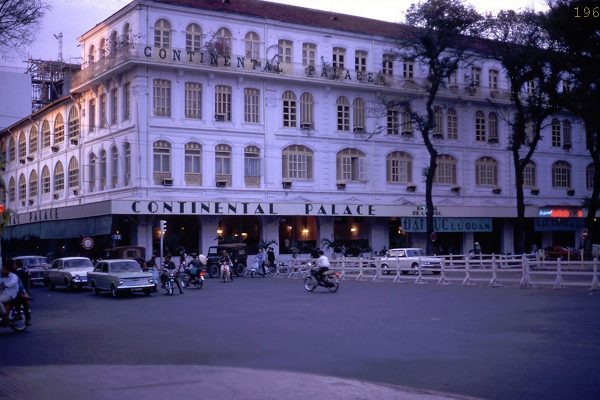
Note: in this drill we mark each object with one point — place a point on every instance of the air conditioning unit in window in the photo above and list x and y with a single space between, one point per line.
570 192
566 146
455 189
55 148
438 135
74 142
411 187
22 160
219 117
75 192
494 94
30 158
286 184
496 190
167 182
407 133
492 140
341 185
23 203
535 191
359 129
306 125
55 196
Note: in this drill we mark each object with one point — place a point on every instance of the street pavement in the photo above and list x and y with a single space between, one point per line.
269 339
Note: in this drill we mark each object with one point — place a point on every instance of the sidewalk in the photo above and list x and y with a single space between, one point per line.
99 382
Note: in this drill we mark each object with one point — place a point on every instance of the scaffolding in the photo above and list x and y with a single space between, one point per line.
49 80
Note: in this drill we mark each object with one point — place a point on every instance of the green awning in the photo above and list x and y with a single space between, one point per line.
69 228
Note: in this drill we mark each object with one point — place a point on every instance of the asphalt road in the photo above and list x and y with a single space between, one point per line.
258 338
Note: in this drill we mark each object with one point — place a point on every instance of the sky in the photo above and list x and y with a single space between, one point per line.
72 18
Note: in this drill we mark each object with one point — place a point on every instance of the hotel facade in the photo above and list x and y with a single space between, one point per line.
252 121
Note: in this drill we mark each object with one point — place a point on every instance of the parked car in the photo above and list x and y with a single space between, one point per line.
70 272
409 259
562 252
35 266
120 276
238 252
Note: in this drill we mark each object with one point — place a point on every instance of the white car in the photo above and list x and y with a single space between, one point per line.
409 259
120 276
70 272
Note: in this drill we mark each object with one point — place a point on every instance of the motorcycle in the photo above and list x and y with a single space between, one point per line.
256 270
226 272
15 317
328 279
169 280
193 275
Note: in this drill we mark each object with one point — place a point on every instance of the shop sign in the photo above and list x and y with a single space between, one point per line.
412 224
558 224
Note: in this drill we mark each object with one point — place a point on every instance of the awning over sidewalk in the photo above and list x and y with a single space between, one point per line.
70 228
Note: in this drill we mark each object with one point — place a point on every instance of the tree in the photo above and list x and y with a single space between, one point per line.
440 44
573 27
520 45
18 22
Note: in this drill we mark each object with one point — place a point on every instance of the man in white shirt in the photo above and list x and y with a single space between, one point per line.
9 288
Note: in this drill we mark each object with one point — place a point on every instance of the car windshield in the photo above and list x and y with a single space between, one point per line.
415 253
34 262
125 266
78 263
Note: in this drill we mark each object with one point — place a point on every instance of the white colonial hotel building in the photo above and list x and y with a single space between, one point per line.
249 121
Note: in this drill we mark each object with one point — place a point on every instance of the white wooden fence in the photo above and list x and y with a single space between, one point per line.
487 269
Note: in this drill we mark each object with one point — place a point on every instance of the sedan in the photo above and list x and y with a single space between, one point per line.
120 276
70 272
562 252
35 267
409 260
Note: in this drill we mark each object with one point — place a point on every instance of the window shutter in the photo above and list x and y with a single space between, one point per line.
362 170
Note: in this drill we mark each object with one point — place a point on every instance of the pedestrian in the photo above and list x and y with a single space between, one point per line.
260 260
271 257
476 248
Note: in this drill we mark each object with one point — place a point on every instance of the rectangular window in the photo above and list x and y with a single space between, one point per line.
103 120
392 121
445 173
408 70
493 79
285 51
309 52
339 56
360 60
388 64
126 101
162 98
114 106
223 103
45 183
92 114
343 117
251 105
193 100
475 76
590 175
529 175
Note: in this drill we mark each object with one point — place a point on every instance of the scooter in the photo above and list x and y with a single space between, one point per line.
329 279
256 270
193 276
15 317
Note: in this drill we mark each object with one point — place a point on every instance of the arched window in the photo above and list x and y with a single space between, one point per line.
45 134
74 124
289 109
12 196
452 127
284 50
493 127
358 114
193 38
193 163
162 161
252 166
92 172
22 146
162 34
407 128
307 112
126 39
297 162
223 39
343 114
114 167
59 177
113 43
252 41
486 172
102 49
45 180
59 129
561 174
480 126
127 166
12 149
438 122
33 185
446 170
91 54
223 164
73 174
33 141
103 168
223 103
399 167
351 166
529 175
566 134
22 189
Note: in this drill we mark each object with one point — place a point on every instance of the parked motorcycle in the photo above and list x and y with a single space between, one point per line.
256 270
15 318
193 275
328 279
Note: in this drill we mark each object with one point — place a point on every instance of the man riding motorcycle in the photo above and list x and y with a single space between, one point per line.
9 289
170 265
322 264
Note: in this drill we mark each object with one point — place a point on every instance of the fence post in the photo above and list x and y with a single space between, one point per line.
525 277
494 281
595 284
443 280
467 280
420 273
558 281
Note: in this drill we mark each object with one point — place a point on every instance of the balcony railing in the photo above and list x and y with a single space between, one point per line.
324 72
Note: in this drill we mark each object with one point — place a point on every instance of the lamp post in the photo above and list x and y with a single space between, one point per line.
163 230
